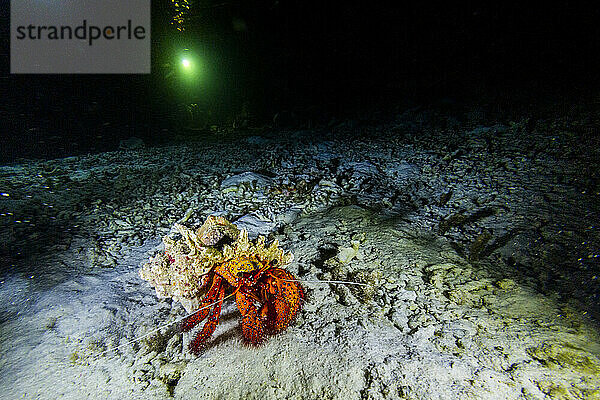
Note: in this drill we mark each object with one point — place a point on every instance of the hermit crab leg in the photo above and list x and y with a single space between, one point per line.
252 327
204 307
285 297
212 322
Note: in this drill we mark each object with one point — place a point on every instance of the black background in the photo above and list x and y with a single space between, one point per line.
335 57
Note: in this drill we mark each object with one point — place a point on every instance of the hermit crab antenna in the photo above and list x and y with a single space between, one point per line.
161 327
320 281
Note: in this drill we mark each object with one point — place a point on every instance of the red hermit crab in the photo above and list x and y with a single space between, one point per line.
201 268
268 299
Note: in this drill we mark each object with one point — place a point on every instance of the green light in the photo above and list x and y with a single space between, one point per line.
189 68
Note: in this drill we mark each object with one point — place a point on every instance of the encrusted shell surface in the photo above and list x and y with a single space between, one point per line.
243 247
178 272
214 229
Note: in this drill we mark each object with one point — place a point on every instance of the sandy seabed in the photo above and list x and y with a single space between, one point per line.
472 244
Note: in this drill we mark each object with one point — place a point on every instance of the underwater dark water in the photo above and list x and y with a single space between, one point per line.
433 169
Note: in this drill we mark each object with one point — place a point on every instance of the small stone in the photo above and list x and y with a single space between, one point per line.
255 226
346 254
171 372
250 179
406 295
400 320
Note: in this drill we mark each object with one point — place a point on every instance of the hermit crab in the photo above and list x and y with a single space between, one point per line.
202 268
